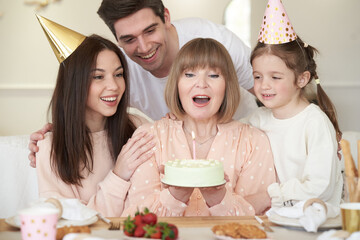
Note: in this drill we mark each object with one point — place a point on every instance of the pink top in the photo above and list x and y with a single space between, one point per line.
101 190
246 156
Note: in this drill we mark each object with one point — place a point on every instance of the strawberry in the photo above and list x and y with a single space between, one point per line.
174 229
149 217
138 219
157 234
153 231
169 231
127 233
129 227
139 231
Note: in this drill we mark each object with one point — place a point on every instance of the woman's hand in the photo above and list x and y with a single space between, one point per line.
180 193
137 150
34 138
214 195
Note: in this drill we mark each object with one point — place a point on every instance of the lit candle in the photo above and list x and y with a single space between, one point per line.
193 137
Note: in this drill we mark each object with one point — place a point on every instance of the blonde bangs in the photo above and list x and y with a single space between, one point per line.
202 53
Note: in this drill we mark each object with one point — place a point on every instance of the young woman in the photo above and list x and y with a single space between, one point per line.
90 154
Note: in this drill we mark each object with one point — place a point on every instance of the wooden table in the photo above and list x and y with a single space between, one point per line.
189 228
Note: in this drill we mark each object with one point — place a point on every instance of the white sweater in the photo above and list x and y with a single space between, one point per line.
305 155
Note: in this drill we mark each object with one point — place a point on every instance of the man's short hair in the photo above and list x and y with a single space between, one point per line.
112 10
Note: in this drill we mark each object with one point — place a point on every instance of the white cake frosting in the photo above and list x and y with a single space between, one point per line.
194 173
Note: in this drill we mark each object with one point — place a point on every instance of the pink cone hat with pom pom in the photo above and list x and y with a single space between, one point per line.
276 27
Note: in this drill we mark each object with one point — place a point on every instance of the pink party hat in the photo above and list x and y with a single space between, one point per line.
276 27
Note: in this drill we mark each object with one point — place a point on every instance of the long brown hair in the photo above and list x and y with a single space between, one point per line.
71 149
199 53
299 57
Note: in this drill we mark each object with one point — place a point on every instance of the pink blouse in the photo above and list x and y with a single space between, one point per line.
244 151
101 190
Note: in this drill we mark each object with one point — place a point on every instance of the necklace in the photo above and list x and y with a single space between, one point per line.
198 142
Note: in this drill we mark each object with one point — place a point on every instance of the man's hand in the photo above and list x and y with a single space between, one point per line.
34 138
170 116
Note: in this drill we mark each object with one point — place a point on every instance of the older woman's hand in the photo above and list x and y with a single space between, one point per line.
136 151
181 193
214 195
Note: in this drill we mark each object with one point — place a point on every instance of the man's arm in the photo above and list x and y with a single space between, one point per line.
34 138
251 90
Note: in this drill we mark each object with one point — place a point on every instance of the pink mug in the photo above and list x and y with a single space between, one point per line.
38 223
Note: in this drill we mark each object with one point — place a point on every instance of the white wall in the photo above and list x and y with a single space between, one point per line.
28 66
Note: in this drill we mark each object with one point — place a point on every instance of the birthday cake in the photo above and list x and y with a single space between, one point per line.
194 173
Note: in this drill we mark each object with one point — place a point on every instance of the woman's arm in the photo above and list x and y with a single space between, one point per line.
256 172
107 196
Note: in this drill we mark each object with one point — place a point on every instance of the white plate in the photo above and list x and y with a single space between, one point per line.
195 185
15 222
293 222
138 238
219 237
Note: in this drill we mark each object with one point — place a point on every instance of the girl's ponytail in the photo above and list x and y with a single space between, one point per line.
328 107
323 101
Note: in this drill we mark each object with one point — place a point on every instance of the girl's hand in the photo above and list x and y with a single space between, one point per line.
137 150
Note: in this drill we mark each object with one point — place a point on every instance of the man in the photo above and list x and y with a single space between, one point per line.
143 30
150 41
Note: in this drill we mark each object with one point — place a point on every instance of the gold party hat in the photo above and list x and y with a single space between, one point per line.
62 40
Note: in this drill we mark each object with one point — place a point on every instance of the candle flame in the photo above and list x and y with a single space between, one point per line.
193 135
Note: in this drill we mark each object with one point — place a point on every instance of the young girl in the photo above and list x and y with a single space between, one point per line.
303 135
88 155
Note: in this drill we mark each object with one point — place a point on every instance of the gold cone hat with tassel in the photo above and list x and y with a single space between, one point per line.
62 40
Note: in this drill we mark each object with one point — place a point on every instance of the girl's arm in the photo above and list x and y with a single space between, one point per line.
321 175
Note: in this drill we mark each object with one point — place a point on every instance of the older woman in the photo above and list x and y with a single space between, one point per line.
203 93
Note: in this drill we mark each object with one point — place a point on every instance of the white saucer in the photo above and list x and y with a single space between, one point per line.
294 222
192 185
15 222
